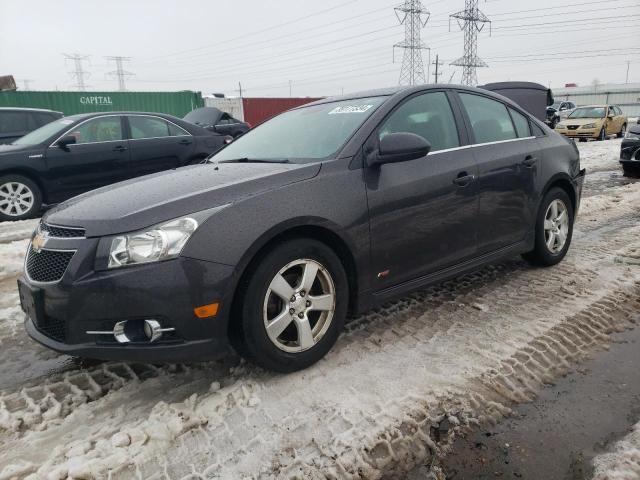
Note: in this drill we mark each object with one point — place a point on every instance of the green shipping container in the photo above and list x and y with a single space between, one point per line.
70 103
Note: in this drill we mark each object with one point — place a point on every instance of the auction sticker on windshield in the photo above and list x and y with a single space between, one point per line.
350 109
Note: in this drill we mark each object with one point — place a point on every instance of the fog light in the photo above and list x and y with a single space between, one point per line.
154 331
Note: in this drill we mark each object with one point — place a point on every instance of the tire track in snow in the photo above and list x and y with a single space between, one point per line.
425 365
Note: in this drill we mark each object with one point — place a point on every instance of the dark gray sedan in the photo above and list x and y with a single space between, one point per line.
319 213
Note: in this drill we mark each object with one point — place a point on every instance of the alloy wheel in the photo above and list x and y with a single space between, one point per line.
299 305
556 226
16 199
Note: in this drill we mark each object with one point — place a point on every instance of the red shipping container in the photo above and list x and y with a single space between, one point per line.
257 110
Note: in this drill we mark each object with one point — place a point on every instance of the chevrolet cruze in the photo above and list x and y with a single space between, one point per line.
322 212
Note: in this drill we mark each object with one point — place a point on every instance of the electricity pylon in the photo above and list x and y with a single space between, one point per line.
471 20
414 17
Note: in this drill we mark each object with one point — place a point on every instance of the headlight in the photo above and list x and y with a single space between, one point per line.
633 136
560 125
589 125
160 242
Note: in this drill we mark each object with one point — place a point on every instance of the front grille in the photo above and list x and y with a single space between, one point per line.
62 232
53 328
47 265
572 127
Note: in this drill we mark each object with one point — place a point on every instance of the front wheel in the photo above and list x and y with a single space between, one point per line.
554 229
293 306
603 134
622 131
20 198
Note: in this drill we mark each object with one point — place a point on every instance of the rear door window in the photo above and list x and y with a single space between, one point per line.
521 123
148 127
428 115
490 120
14 122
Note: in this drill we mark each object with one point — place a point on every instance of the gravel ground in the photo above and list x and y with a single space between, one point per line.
402 383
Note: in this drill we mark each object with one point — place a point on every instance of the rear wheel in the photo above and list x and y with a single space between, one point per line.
627 171
20 198
293 306
554 229
622 131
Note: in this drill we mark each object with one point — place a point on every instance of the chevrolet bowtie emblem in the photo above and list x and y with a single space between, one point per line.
39 241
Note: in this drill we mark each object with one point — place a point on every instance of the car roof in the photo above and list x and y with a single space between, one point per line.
97 114
404 90
26 109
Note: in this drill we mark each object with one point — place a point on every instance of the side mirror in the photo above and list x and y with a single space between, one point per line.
638 121
400 147
66 140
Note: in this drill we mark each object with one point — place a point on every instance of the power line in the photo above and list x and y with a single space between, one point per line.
120 73
414 17
78 73
471 20
256 32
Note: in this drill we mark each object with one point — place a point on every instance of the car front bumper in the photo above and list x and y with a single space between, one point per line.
60 315
579 132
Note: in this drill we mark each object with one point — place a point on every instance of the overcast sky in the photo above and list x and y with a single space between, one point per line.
316 47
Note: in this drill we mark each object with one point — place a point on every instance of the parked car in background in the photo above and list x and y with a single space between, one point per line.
557 112
216 120
630 150
595 121
17 122
327 209
78 153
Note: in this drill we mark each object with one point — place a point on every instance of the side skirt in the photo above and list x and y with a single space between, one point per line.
370 300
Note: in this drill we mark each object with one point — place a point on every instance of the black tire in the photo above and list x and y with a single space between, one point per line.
36 205
602 135
630 172
622 131
541 255
582 139
252 340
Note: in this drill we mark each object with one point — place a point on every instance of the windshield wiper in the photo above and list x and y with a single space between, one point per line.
255 160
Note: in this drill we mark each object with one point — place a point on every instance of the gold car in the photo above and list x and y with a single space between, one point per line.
594 121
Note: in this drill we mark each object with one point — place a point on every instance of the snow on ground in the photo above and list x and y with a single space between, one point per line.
402 381
623 462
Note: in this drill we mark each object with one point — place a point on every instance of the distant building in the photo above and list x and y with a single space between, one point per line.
625 95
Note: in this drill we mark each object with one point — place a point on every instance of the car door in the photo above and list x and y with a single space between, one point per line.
157 145
508 163
422 213
99 157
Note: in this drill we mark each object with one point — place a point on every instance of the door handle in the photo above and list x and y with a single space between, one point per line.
185 142
463 179
529 161
119 148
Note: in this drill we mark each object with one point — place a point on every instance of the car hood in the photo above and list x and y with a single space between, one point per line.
141 202
13 149
580 121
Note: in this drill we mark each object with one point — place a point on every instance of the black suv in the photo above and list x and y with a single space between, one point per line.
81 152
17 122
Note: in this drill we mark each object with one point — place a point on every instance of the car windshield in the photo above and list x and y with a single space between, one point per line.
304 134
587 112
41 134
